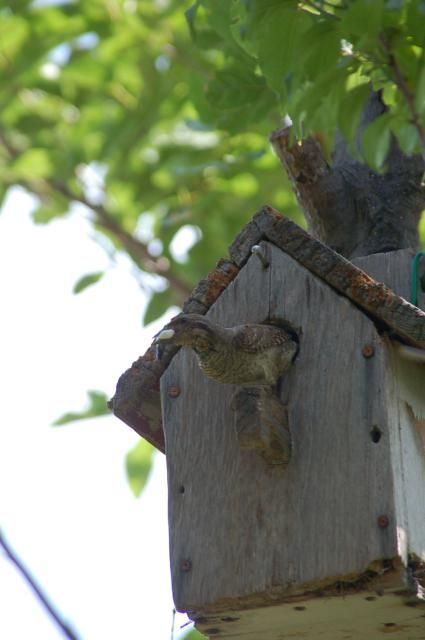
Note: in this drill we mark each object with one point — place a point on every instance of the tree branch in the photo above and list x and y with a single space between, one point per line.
349 207
37 590
136 249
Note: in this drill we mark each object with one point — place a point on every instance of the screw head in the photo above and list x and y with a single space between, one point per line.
173 391
186 565
368 351
383 521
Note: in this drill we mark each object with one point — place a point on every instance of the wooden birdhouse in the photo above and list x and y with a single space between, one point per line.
328 541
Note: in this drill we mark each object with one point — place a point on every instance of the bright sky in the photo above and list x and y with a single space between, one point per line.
65 506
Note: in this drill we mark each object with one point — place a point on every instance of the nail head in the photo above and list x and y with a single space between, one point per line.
368 351
186 565
173 391
259 251
383 522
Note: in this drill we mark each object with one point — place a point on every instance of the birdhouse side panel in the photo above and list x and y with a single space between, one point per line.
406 401
392 268
406 409
204 462
336 394
243 531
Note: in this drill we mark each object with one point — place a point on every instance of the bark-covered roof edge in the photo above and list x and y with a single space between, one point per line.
137 398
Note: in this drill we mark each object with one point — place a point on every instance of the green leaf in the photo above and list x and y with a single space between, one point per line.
98 406
281 38
407 136
235 86
3 193
43 215
138 463
34 163
376 141
362 17
422 229
219 15
315 107
239 17
193 634
87 281
13 32
159 303
351 109
53 206
415 21
239 97
323 51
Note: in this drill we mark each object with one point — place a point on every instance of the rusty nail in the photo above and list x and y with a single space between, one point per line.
174 391
186 565
383 522
368 350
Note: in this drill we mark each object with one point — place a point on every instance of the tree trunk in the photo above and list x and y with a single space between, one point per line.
348 206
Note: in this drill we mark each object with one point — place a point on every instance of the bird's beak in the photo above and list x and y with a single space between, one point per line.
165 334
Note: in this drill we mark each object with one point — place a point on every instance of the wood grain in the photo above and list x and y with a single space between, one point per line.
375 612
252 533
405 396
401 317
137 400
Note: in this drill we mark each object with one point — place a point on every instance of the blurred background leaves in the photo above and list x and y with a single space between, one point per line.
151 119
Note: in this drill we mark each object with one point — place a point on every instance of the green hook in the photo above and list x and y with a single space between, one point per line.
414 284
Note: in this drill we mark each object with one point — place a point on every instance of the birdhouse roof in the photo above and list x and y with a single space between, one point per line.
137 398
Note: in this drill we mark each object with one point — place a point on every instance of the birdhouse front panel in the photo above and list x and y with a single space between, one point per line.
245 531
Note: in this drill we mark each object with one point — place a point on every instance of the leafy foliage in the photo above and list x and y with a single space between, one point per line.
103 104
319 59
97 406
87 281
138 464
111 105
193 635
154 116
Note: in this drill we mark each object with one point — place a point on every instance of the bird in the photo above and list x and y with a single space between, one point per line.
246 355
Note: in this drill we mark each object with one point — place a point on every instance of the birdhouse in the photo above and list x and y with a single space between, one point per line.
296 509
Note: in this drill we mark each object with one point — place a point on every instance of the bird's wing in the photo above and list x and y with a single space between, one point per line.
253 338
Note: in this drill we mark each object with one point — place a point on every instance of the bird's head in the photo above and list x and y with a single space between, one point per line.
187 330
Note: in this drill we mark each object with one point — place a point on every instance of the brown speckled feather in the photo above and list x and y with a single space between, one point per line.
247 355
253 338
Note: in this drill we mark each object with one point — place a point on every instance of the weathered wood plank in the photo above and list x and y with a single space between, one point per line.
406 411
375 612
405 396
392 268
241 530
137 400
406 320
